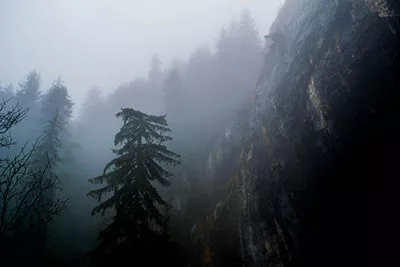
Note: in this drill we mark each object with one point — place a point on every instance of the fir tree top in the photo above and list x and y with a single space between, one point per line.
57 100
30 89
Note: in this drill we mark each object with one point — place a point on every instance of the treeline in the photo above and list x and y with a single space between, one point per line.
35 130
202 97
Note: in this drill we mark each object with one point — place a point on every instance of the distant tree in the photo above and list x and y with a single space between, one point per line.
200 67
91 103
50 144
239 63
154 95
24 188
174 92
201 75
247 30
56 103
29 93
56 100
240 44
87 124
6 93
27 97
48 155
155 75
90 131
56 113
129 190
224 43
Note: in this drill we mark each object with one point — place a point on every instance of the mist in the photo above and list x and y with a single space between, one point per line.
106 43
68 67
192 133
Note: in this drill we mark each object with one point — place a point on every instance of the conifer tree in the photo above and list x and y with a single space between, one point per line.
155 73
27 97
56 100
6 93
47 155
29 93
174 91
50 145
56 111
26 190
56 103
129 182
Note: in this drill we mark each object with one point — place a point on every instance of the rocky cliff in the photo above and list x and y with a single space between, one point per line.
290 182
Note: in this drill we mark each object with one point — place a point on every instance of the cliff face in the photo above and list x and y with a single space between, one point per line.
321 129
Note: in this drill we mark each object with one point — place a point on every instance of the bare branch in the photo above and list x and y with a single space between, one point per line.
8 119
27 188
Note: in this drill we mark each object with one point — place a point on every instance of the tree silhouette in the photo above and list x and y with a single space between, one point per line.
129 178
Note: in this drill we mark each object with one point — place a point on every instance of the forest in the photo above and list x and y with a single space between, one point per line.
68 184
256 150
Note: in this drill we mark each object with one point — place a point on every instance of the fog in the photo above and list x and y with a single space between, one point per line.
92 89
105 43
195 133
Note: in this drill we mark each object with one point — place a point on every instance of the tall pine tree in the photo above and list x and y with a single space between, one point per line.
27 97
56 100
47 156
174 95
50 144
129 185
29 93
55 147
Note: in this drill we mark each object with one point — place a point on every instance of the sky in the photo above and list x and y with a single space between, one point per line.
106 43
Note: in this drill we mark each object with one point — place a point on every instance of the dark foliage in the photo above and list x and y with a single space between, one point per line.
139 226
25 206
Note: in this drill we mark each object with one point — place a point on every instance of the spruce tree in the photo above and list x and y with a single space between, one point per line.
53 145
174 92
29 93
50 144
56 103
27 97
47 156
56 100
129 183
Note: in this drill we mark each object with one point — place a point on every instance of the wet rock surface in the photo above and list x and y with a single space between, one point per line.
290 186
